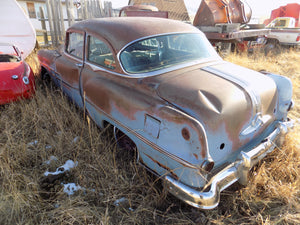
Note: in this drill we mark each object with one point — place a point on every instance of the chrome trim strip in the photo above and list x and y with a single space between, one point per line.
154 73
255 98
171 68
97 68
237 171
73 57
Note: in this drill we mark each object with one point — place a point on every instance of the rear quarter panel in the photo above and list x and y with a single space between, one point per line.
158 131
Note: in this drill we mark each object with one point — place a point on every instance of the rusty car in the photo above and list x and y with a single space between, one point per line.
196 121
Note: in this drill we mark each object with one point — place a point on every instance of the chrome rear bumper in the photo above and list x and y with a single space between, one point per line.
236 171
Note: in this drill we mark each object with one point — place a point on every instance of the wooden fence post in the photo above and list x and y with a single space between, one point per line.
50 21
56 27
108 9
86 10
70 12
61 21
43 23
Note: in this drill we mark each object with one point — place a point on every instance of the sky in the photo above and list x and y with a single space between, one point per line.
260 8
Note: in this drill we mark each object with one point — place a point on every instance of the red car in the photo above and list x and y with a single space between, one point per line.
16 76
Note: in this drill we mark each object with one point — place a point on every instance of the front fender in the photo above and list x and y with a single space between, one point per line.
47 58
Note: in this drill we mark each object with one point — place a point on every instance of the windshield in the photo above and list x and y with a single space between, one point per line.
165 51
7 49
8 54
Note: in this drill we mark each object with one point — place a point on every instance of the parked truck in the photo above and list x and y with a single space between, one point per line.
226 25
224 22
284 27
289 10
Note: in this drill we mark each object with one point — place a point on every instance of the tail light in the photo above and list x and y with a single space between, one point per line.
298 38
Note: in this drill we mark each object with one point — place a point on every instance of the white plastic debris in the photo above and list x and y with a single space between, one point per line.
67 166
71 188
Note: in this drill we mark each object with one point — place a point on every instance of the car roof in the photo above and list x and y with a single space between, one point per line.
120 31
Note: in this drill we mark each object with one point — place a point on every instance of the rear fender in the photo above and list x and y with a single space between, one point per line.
285 92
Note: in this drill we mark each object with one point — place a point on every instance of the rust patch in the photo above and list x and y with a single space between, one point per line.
125 110
171 116
91 95
185 134
196 156
163 166
202 143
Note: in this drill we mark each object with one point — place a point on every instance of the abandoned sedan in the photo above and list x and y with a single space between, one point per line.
196 121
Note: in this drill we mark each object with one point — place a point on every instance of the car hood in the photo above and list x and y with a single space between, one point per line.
16 28
7 69
225 98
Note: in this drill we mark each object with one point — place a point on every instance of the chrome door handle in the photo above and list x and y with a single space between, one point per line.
79 65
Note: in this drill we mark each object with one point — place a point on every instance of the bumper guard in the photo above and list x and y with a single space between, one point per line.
236 171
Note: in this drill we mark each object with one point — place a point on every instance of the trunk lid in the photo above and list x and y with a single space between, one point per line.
230 101
9 69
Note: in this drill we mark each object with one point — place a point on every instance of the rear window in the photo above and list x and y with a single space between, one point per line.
161 52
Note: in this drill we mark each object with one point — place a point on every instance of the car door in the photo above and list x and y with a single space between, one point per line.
113 97
98 84
70 65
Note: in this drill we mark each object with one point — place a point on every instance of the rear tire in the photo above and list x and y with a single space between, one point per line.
272 48
45 76
226 49
124 143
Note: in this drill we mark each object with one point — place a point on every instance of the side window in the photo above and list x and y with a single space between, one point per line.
100 54
75 45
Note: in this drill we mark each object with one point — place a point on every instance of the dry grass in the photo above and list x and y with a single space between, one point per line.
271 197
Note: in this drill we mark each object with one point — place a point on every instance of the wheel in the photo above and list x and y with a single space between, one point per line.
272 49
45 76
225 49
126 144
